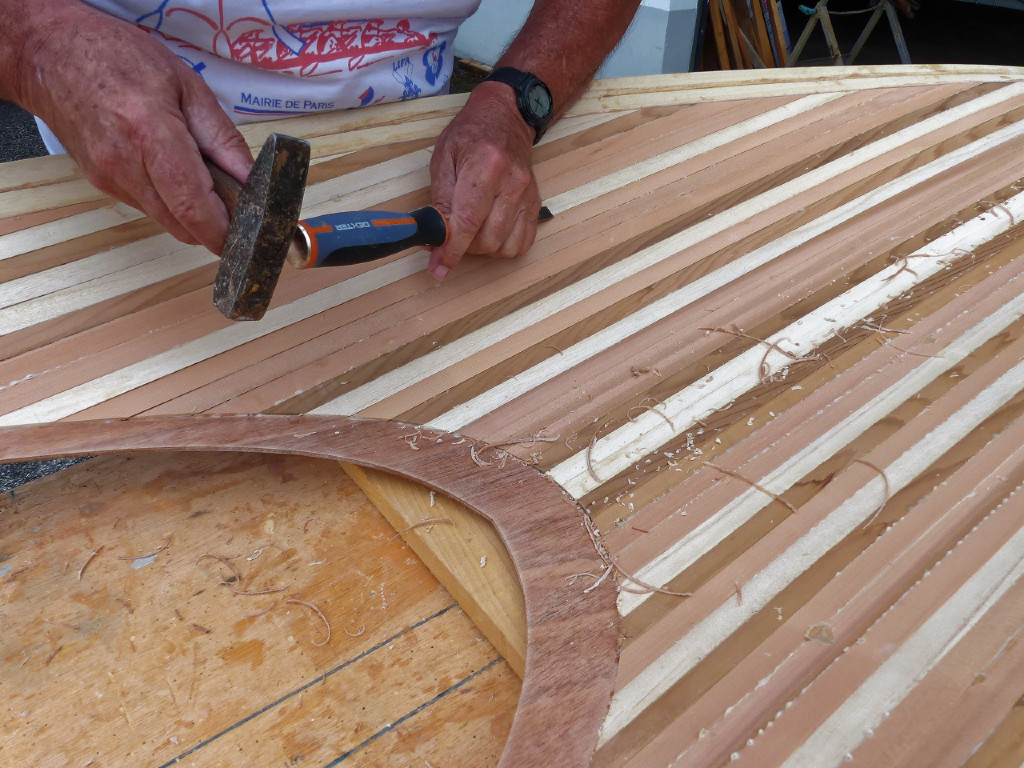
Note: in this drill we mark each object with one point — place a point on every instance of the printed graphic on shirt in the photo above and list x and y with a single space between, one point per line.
309 50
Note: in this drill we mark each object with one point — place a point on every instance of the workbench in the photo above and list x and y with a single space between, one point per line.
724 470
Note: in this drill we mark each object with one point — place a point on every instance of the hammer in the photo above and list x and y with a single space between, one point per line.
265 230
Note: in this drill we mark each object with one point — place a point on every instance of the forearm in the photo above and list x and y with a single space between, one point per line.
563 42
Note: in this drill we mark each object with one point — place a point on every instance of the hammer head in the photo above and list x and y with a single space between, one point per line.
261 229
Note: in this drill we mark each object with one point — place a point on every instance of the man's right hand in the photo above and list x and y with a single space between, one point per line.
134 116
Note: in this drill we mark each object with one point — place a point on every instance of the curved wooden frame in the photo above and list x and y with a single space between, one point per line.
572 632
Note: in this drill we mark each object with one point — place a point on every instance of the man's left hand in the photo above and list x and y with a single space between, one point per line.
482 180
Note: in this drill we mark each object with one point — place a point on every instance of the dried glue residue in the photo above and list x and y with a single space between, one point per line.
142 562
269 526
822 632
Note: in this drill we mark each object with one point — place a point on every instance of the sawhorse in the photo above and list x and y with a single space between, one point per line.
820 14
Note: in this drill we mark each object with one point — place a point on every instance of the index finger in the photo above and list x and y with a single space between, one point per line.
470 206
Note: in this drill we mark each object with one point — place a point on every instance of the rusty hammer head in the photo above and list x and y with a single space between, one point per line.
264 213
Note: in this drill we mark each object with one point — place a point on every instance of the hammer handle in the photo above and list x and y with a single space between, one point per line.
226 186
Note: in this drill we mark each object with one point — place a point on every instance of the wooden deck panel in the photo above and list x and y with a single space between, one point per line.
126 659
770 343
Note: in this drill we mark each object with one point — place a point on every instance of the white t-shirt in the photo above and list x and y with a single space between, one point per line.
277 58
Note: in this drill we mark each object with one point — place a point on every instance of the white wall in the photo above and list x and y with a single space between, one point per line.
660 39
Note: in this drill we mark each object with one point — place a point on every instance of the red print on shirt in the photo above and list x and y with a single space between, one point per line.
327 45
310 49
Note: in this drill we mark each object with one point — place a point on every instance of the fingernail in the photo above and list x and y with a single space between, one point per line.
440 272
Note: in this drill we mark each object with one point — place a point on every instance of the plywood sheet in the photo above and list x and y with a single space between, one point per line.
770 343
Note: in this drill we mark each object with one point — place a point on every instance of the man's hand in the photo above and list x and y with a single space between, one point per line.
136 118
481 174
482 180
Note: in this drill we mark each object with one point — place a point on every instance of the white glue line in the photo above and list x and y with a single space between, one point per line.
466 346
899 674
709 534
629 443
130 377
477 407
763 587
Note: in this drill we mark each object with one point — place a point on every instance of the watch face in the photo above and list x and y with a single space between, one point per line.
540 100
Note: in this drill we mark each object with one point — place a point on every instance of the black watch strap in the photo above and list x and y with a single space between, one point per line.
533 97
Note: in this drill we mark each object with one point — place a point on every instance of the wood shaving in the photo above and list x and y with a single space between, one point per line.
652 409
318 613
154 553
590 463
89 560
885 491
752 484
821 632
611 562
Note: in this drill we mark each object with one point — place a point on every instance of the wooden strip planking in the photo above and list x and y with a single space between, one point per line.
79 224
98 390
730 714
965 696
93 269
641 170
471 410
895 380
48 197
361 398
80 296
851 511
630 93
895 678
635 440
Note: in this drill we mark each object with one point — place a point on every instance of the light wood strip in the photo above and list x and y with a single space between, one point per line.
462 550
77 225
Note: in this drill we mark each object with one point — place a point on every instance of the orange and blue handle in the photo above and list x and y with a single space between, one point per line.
355 237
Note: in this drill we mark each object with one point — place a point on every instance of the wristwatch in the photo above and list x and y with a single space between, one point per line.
532 97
